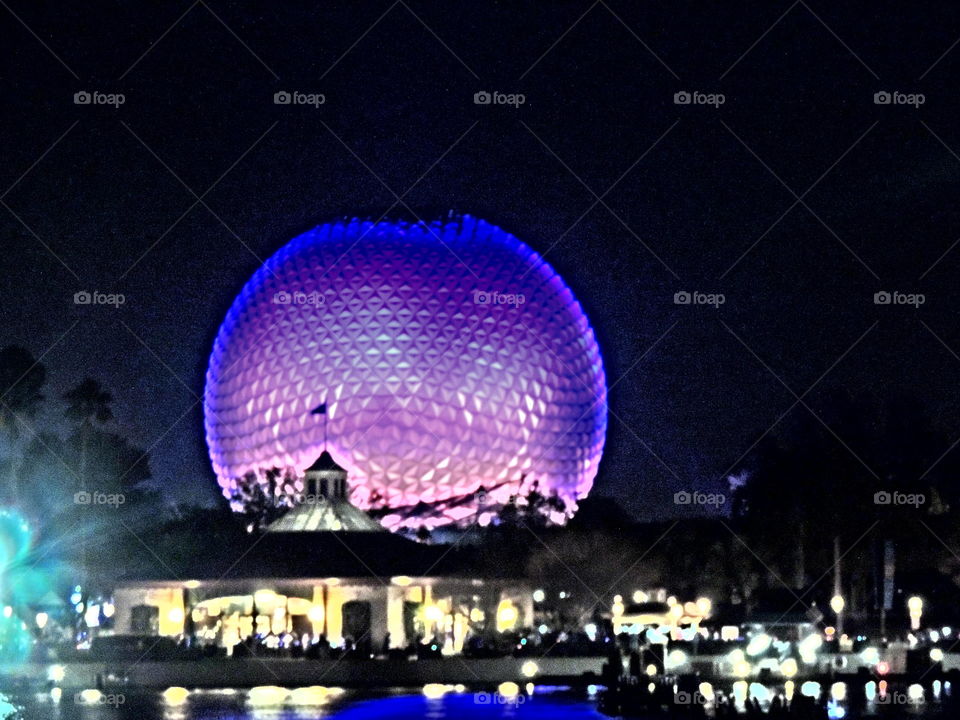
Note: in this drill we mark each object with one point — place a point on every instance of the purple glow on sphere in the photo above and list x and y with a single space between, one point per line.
450 356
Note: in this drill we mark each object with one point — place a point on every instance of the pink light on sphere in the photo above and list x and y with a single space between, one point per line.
451 358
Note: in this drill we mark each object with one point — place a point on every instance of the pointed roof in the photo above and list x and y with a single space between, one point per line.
333 514
325 463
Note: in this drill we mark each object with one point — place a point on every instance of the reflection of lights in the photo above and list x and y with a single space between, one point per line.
56 694
476 615
759 692
56 673
591 630
508 689
706 691
936 654
704 605
175 695
788 668
870 690
639 596
870 656
90 696
315 614
883 667
92 616
810 689
915 692
175 615
313 695
759 644
838 691
539 596
433 613
41 620
788 688
108 609
837 604
591 690
651 669
266 695
740 691
529 669
434 691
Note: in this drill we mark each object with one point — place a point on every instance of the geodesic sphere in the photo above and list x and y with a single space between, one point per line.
450 356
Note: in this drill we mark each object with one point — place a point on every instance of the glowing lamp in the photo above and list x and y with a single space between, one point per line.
529 669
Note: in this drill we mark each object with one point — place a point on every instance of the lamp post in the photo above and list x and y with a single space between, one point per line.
837 604
915 608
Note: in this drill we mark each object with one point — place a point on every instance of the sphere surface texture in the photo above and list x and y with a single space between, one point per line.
456 367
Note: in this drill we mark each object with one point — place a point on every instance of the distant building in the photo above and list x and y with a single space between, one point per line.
326 569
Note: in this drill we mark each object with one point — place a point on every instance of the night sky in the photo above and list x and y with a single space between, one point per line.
797 199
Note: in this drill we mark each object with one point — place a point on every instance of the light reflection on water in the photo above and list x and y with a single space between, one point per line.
442 702
306 703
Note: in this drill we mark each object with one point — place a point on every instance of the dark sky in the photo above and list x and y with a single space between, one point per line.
702 198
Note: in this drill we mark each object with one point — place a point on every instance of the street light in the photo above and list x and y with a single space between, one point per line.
915 607
837 604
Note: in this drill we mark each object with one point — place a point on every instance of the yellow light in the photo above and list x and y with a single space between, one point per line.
41 620
433 613
838 691
90 696
402 580
651 669
741 669
617 608
676 612
192 584
175 695
56 693
267 695
312 695
264 597
788 668
333 581
706 691
434 691
788 689
936 654
508 689
672 600
529 669
915 605
315 614
837 604
506 616
704 606
175 615
639 596
476 615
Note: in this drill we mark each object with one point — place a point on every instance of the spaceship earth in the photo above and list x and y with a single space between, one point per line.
455 367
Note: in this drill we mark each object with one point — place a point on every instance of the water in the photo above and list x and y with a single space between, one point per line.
435 703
